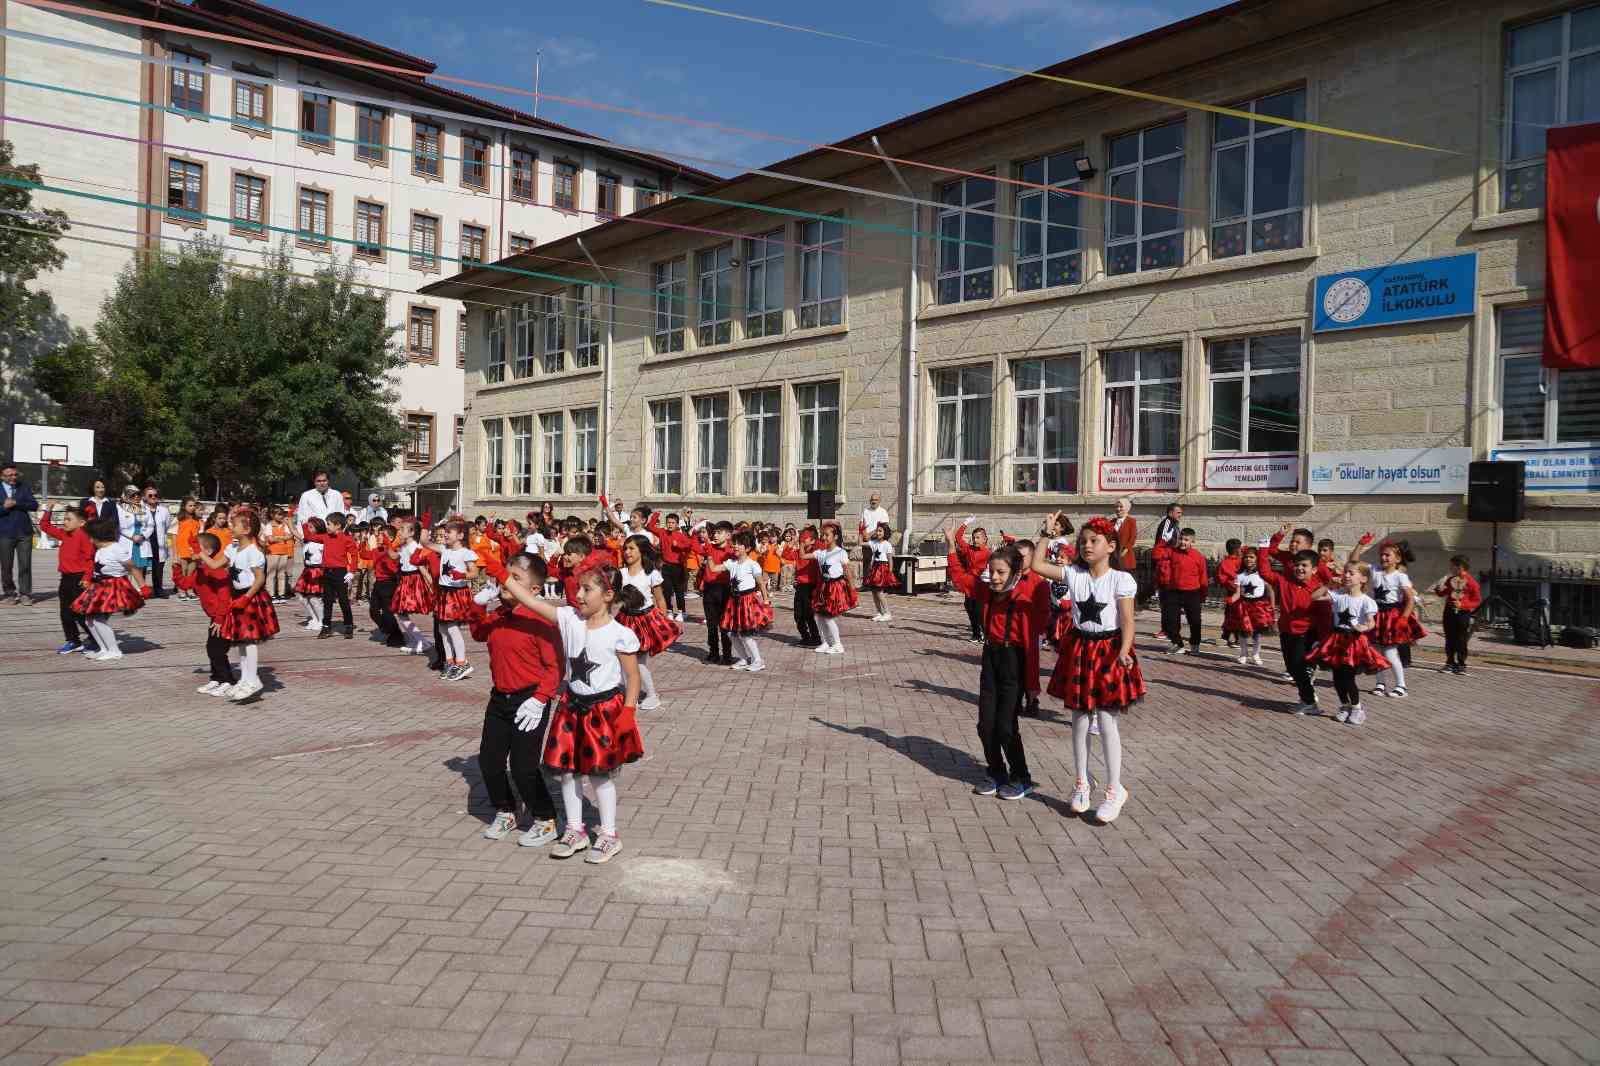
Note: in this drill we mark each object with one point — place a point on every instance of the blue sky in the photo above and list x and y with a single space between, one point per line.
638 55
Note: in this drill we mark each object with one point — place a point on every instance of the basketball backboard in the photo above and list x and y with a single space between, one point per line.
52 444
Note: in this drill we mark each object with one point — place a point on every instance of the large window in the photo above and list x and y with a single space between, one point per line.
424 242
1255 394
495 370
763 421
586 451
763 284
313 223
522 455
817 407
1552 79
250 105
551 454
1144 401
647 194
1258 178
963 410
1146 172
1539 406
711 444
494 456
250 205
714 267
524 175
607 196
426 156
474 161
524 337
564 190
419 440
422 333
553 318
474 240
966 240
1049 250
821 274
671 289
1047 392
188 81
372 133
666 446
185 190
316 119
588 327
369 229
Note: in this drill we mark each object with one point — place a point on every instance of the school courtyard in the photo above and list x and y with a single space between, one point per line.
807 876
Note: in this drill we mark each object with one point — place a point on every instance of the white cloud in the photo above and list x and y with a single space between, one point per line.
1118 20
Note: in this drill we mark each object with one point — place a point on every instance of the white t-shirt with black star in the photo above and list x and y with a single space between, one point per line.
646 581
243 562
1351 611
455 559
1251 586
312 555
1094 599
1388 589
592 664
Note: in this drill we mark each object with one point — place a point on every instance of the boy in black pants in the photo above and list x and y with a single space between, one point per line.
1462 598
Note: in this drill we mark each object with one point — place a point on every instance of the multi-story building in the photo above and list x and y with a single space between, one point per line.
1100 296
174 133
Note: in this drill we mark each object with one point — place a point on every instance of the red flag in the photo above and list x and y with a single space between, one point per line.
1572 248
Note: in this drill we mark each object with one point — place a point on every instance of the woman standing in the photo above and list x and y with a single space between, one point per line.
1127 534
96 504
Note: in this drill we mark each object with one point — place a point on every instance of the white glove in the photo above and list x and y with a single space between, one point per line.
490 593
350 578
530 714
971 519
1265 542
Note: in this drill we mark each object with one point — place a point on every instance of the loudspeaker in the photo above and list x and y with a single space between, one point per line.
820 504
1495 491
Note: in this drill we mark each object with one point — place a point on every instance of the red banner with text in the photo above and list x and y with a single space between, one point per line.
1572 248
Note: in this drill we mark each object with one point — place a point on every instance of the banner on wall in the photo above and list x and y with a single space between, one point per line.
1247 473
1391 472
1415 291
1138 475
1572 249
1556 469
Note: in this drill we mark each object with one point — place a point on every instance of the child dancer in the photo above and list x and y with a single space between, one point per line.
183 548
714 590
656 629
413 593
1227 580
75 561
834 595
750 607
974 558
594 729
881 574
1462 598
1293 587
338 573
251 617
1346 651
116 586
1397 626
458 568
675 545
213 588
1249 613
807 576
309 584
771 559
1185 592
788 555
385 573
278 535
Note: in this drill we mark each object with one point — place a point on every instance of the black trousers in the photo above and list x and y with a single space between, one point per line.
975 618
999 703
1344 683
156 579
1457 632
714 598
382 616
1186 602
334 590
805 616
1293 646
501 738
217 652
674 583
17 550
73 626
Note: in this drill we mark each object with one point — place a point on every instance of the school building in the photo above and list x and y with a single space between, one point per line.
1117 296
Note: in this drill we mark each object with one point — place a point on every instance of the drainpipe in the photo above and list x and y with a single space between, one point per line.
605 371
908 400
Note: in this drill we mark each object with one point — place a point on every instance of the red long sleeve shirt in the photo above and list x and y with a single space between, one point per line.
211 584
674 544
712 557
1297 612
76 555
1029 603
1228 574
1187 570
339 550
974 559
524 649
1462 591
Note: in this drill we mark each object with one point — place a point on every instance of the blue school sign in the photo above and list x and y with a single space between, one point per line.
1400 292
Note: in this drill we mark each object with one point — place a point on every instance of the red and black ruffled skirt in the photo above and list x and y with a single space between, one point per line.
1250 616
412 595
452 604
1343 647
309 583
181 581
746 613
1090 677
1063 623
252 623
881 576
1394 626
592 734
834 596
110 595
656 632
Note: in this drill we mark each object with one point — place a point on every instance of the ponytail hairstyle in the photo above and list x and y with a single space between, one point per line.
605 577
1402 551
649 558
632 599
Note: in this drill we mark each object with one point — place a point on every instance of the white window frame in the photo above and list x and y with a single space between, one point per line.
552 453
253 197
253 93
957 465
758 466
1137 383
524 338
666 422
714 273
552 315
669 279
522 455
1042 203
494 456
710 422
1138 167
586 451
810 472
499 323
588 328
1248 375
957 215
1561 64
819 239
764 265
1255 133
1040 398
1549 385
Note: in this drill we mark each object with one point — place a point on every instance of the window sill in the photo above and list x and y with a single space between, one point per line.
384 163
247 232
1122 281
745 344
375 259
252 130
185 223
470 187
1507 219
313 246
422 359
425 176
536 379
315 146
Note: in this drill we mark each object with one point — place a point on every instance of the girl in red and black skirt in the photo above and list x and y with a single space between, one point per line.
1249 613
1346 650
594 729
458 566
656 629
413 592
834 594
308 586
749 608
1397 627
1097 675
116 586
251 618
880 574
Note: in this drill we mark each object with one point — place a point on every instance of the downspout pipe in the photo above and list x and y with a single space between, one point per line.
909 392
606 369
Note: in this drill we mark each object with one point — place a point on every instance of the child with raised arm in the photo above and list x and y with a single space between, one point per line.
880 576
116 586
1397 627
1462 597
1346 651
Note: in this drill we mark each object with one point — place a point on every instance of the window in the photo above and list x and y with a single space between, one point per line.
607 198
522 456
369 229
419 440
963 405
763 284
821 274
188 82
420 333
250 104
494 456
647 194
495 368
526 325
424 242
1144 399
666 451
1258 178
461 430
473 241
1049 252
316 120
1255 394
966 241
564 191
715 322
372 133
425 154
586 451
524 175
763 420
250 205
520 243
818 409
1539 406
313 219
671 289
461 342
711 444
1146 170
474 161
550 468
586 343
1047 392
554 317
185 191
1552 79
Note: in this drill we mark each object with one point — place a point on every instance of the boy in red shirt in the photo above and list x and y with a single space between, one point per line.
1186 592
807 576
339 556
1462 597
974 558
75 560
385 572
215 592
674 544
1297 613
714 590
1228 581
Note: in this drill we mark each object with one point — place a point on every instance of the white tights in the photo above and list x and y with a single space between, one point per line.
1110 744
314 606
1250 644
408 630
247 662
104 635
454 643
744 644
647 681
1397 669
829 626
604 787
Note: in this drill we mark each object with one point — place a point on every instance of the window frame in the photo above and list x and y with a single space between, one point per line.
1561 63
519 154
605 180
1137 383
1040 397
319 240
588 328
1024 194
1249 140
808 474
1138 168
754 458
245 227
493 453
414 353
517 243
574 171
381 249
198 219
522 462
419 150
374 152
669 278
714 266
202 61
461 431
813 257
410 459
461 340
648 194
585 448
1549 386
523 336
666 480
958 402
423 261
464 240
481 166
551 311
261 89
761 252
1247 375
961 214
710 474
310 137
552 473
496 366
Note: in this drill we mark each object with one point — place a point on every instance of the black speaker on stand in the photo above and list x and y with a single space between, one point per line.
1496 492
820 504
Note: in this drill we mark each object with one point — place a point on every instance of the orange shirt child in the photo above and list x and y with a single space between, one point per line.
771 560
276 529
185 543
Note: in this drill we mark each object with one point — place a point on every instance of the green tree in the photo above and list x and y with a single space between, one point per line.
29 322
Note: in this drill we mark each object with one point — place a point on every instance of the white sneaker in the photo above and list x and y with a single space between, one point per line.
1080 796
756 668
649 703
245 690
1255 660
1380 689
877 618
741 664
312 623
504 824
1396 693
538 834
210 688
1307 709
1108 811
223 691
887 617
836 649
1344 712
824 649
106 656
1244 660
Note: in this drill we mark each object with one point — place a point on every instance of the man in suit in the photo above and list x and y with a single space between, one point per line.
16 537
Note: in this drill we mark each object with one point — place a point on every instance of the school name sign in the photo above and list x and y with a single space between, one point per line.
1417 291
1396 472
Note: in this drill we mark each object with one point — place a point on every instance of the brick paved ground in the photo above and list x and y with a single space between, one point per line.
808 877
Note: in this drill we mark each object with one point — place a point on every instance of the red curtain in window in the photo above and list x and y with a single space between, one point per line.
1572 248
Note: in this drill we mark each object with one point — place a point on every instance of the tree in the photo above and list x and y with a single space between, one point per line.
29 323
243 378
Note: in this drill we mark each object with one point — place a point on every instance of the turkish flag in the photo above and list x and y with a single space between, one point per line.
1572 247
